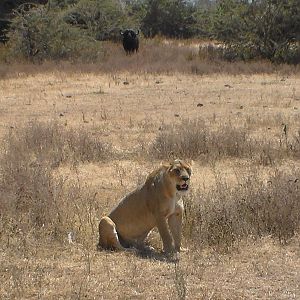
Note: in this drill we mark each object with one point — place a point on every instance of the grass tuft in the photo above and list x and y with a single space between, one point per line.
253 208
196 139
35 199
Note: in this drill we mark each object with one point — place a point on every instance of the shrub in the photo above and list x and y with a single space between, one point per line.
197 138
40 33
38 204
194 138
52 144
253 208
34 198
260 29
171 18
102 19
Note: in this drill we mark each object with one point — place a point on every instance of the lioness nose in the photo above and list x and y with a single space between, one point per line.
184 177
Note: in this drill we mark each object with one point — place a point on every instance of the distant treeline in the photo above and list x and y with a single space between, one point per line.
267 29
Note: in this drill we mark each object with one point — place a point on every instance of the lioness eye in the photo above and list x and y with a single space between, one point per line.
189 171
177 171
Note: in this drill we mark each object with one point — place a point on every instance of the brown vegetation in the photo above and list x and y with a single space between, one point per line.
159 56
73 143
197 138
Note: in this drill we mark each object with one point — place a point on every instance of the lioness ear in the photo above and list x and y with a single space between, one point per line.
170 168
177 161
171 155
190 163
174 161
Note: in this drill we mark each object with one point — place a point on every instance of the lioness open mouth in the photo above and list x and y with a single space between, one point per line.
183 187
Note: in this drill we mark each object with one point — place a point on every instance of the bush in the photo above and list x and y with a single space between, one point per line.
34 198
170 18
52 144
254 208
102 19
37 203
41 33
260 29
192 139
197 138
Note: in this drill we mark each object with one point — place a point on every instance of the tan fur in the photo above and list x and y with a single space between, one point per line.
154 204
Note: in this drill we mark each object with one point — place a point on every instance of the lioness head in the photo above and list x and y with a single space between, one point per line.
180 172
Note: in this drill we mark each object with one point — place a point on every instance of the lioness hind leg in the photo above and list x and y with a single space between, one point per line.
108 236
140 243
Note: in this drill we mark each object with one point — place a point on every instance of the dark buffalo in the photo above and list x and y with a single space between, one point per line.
130 40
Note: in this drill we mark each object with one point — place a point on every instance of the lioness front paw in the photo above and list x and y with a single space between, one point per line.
169 249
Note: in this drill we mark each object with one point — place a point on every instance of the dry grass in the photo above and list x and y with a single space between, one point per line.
210 141
53 144
49 202
36 201
158 56
195 138
72 144
253 208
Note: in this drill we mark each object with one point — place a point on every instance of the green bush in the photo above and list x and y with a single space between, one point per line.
268 29
68 29
102 19
61 3
171 18
41 33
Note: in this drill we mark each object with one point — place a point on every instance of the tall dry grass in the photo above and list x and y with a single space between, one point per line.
53 143
201 139
37 205
252 209
155 56
35 201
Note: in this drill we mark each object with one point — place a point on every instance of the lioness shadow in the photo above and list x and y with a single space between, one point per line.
152 254
148 253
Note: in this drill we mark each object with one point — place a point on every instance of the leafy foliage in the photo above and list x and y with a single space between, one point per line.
267 29
61 3
41 33
60 29
6 10
102 19
171 18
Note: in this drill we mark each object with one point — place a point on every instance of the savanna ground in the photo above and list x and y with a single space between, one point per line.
76 138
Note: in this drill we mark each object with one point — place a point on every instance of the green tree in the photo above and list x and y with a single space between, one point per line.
266 28
61 3
102 19
6 11
41 33
171 18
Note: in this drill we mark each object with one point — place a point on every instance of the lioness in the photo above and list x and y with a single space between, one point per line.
154 204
